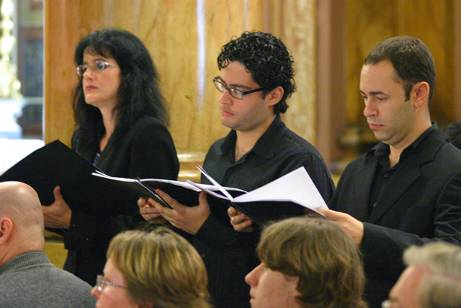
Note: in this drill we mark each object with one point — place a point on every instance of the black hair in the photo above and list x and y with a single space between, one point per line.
410 58
139 93
266 58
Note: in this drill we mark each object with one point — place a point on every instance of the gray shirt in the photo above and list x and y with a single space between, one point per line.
30 280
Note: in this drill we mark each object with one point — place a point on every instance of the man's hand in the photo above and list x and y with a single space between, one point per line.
239 221
149 212
186 218
58 214
350 225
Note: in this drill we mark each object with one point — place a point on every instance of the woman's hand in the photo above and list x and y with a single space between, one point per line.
148 211
58 214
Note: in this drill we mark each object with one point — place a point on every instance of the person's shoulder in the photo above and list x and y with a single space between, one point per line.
149 128
61 287
448 149
297 145
446 161
218 143
359 162
73 281
148 122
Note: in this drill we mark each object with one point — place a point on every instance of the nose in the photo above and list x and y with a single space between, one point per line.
369 110
252 277
88 74
95 292
225 98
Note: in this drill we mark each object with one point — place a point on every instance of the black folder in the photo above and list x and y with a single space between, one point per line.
56 164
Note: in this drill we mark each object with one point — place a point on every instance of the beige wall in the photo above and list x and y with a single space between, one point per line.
368 22
184 38
346 31
328 39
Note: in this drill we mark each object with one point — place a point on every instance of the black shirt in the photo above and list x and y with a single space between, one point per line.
230 255
384 171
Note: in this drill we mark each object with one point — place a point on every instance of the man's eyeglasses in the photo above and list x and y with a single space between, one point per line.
102 282
97 66
234 92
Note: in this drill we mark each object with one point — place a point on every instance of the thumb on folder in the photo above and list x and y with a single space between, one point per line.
58 214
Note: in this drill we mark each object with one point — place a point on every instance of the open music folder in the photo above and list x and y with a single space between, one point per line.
56 164
290 195
89 190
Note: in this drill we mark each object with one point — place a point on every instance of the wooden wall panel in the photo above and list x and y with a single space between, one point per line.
368 22
294 21
184 38
170 31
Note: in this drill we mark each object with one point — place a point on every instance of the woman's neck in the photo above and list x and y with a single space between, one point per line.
109 122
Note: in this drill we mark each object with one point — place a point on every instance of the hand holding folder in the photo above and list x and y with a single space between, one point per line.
88 190
57 165
290 195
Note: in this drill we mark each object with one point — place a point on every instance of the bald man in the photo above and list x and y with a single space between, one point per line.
27 278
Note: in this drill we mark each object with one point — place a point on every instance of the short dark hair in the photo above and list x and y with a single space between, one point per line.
139 93
266 58
410 58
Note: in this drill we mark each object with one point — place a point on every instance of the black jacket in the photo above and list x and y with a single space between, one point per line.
147 151
420 203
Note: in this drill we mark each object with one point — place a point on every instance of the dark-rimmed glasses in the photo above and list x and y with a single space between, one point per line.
102 282
96 66
237 93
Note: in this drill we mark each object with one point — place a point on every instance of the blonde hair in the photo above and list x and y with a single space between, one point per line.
160 267
441 284
321 255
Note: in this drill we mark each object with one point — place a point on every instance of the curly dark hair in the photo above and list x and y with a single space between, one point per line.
266 58
139 93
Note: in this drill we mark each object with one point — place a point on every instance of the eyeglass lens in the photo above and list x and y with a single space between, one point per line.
222 87
98 66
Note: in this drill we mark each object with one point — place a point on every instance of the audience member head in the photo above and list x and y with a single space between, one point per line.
306 262
268 61
432 278
115 67
152 269
453 132
410 58
21 221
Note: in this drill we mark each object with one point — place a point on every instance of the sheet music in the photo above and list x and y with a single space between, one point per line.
296 186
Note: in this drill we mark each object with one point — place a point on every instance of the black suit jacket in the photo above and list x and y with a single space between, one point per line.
421 203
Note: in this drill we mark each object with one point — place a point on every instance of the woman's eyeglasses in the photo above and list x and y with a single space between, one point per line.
102 282
96 66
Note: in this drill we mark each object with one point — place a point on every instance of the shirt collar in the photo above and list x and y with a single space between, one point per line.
381 149
264 146
24 260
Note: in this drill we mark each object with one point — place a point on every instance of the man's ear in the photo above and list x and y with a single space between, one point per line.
274 96
6 229
420 93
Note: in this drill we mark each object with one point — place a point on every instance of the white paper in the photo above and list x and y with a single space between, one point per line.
296 186
177 183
